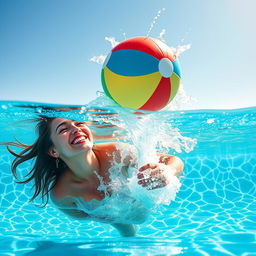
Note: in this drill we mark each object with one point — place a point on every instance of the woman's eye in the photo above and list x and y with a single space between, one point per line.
62 130
81 123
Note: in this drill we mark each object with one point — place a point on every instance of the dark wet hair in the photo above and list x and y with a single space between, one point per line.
44 172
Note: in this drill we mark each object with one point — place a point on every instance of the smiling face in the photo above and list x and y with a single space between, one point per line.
69 138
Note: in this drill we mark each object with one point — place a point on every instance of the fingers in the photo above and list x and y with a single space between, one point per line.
147 166
152 183
151 176
148 173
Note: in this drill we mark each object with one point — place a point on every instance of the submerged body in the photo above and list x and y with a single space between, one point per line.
82 199
82 168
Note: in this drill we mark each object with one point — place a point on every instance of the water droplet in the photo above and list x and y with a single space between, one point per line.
38 110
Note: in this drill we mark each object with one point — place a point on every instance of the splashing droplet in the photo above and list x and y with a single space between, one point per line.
154 21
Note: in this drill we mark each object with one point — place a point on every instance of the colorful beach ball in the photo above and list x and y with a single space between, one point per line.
141 73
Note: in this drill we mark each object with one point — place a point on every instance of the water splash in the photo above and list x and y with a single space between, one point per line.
112 40
147 134
124 35
101 58
181 101
154 21
186 34
98 59
180 49
161 35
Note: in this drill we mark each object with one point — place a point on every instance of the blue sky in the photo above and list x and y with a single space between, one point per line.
46 46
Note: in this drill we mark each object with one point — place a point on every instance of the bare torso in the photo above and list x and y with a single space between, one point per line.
69 185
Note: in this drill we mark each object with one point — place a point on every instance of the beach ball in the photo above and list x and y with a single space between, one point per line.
141 73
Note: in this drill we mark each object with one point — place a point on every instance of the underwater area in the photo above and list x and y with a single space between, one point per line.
213 213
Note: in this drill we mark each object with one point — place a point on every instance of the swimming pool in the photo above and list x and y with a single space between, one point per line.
213 213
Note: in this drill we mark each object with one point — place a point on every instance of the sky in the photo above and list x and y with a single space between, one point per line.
46 47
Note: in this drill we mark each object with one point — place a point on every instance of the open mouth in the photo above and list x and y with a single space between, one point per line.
79 139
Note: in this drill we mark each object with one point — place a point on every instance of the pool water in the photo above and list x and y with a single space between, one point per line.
213 213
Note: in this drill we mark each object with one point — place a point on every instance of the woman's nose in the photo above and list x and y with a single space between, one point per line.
75 129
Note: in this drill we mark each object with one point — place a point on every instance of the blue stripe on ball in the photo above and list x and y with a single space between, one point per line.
129 62
176 67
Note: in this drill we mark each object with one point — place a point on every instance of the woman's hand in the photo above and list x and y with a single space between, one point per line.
153 176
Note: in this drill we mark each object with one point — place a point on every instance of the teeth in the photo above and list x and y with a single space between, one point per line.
79 139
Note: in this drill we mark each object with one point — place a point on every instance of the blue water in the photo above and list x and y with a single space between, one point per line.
213 213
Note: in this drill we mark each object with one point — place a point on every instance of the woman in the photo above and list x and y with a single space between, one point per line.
68 166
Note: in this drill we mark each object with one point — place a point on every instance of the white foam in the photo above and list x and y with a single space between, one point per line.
98 59
112 40
180 49
147 135
162 35
152 198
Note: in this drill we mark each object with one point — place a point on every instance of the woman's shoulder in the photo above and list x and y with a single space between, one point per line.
106 150
112 146
119 151
106 146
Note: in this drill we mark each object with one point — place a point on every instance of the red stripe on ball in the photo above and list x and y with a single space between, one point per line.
144 44
159 99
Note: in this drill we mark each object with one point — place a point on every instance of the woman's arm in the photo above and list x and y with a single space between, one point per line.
75 214
173 162
157 175
125 229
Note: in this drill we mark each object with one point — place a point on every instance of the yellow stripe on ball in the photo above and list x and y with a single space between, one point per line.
131 91
175 83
